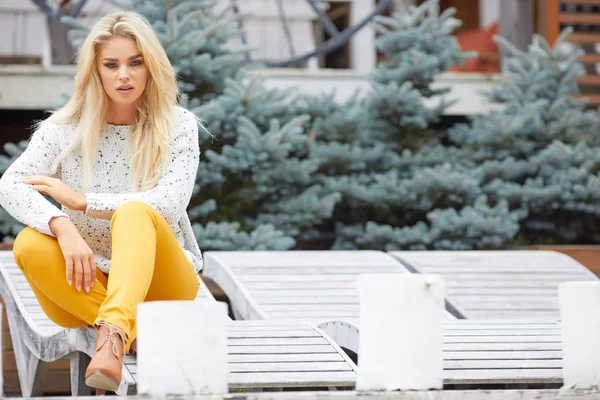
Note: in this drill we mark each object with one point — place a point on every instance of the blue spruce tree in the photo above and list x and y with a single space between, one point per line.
540 154
381 153
282 170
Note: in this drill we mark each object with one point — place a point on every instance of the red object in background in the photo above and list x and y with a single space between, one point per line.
481 41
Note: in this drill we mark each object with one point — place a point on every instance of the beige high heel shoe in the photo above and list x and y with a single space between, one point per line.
106 367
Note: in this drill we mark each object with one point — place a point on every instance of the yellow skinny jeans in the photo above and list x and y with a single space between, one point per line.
147 264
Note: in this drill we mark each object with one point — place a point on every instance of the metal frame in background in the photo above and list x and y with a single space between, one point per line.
338 39
57 15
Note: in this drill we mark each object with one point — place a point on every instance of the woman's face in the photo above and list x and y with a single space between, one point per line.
122 70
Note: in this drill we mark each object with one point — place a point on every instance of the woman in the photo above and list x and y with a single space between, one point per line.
121 159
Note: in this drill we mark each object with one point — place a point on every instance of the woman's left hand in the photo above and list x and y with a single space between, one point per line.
60 192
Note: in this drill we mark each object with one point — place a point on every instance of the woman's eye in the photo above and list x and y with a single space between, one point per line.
136 63
110 65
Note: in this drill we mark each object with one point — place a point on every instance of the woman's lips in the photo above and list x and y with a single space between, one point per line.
125 91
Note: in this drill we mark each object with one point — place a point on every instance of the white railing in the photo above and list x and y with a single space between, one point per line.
52 84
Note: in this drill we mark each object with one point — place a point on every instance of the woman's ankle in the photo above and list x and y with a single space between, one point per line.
115 336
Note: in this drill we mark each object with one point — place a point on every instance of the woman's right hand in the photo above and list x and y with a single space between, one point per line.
79 258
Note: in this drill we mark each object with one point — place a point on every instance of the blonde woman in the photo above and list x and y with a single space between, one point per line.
121 158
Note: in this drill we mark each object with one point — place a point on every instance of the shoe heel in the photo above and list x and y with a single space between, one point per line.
98 380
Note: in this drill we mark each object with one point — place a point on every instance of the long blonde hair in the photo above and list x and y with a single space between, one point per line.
151 132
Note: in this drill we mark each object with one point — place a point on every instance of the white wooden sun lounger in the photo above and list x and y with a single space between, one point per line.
262 354
499 284
314 286
320 287
483 352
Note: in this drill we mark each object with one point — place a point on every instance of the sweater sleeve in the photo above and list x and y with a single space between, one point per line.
26 205
171 196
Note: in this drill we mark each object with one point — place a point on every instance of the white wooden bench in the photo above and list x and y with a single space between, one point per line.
261 354
499 284
320 287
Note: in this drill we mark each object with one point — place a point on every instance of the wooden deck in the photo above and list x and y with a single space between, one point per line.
408 395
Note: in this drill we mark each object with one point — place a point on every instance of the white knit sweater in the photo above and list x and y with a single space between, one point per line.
110 186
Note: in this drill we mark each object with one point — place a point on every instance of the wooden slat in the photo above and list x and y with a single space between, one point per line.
509 304
589 80
502 347
590 58
486 291
272 334
272 328
574 18
324 270
510 284
500 277
312 315
284 298
503 376
502 364
512 313
291 379
503 355
502 339
261 358
312 307
585 2
584 38
549 298
262 286
594 99
290 367
503 332
510 328
501 268
298 278
234 342
280 349
305 292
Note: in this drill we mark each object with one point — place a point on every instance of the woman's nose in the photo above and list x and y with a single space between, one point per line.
123 73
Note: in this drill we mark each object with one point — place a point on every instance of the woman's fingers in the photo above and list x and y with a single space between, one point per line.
93 271
69 263
78 274
37 180
90 274
41 188
87 268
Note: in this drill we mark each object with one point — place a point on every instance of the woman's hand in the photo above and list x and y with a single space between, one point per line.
60 192
79 258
